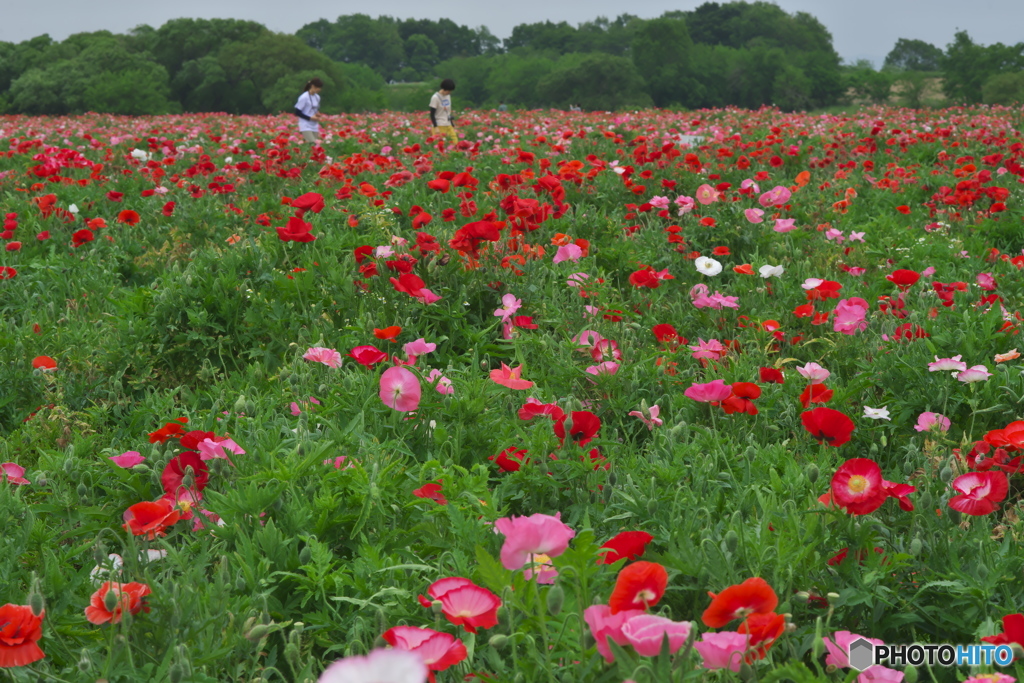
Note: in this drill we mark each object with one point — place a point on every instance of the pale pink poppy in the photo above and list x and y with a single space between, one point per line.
722 650
574 280
443 384
777 196
814 373
929 421
658 202
127 459
716 390
751 184
400 389
211 450
645 633
652 421
839 648
380 666
568 252
541 567
754 215
426 296
976 373
13 473
834 234
420 347
538 534
711 349
338 462
953 364
510 377
328 357
784 224
608 367
928 272
856 236
383 252
986 281
849 316
684 204
811 283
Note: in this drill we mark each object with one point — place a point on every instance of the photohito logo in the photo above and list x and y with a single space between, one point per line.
862 654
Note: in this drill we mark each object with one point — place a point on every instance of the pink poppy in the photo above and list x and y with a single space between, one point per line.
568 252
328 357
127 459
784 224
538 534
464 603
754 215
443 384
400 389
608 367
777 197
645 633
927 421
707 194
391 665
850 316
420 347
814 373
211 450
839 647
950 364
603 625
977 373
435 649
652 421
722 650
711 349
716 390
510 377
510 304
13 473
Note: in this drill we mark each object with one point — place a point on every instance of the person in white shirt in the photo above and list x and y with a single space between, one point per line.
308 111
441 111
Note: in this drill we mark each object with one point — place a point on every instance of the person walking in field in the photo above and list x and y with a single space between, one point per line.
308 111
441 111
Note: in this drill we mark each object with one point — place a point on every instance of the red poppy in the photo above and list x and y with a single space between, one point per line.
510 459
44 363
129 599
638 586
82 236
532 408
979 492
764 630
20 631
128 217
720 251
387 332
431 491
115 196
771 376
1013 632
815 393
150 519
438 651
367 356
7 273
168 209
464 603
13 246
742 398
666 333
468 238
1010 437
173 476
192 439
828 426
169 430
857 486
297 230
311 201
584 427
626 545
903 278
861 555
744 269
439 185
753 596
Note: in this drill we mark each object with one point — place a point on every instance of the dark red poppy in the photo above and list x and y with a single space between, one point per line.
626 545
168 209
297 230
1013 631
771 376
639 585
828 426
510 459
742 399
82 236
174 473
311 201
431 491
815 393
192 439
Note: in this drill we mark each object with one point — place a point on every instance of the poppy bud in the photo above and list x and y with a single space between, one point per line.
982 572
110 600
915 546
175 673
926 500
652 507
946 474
750 454
305 555
69 466
555 599
258 633
498 641
379 642
437 607
1018 650
41 479
747 673
84 661
240 584
908 467
732 541
250 407
873 451
35 597
240 403
812 473
588 640
99 552
291 654
296 635
909 674
612 479
832 596
188 480
82 490
680 432
803 597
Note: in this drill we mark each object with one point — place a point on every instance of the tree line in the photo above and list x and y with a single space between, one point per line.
746 54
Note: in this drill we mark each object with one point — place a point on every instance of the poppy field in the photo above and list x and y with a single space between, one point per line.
588 397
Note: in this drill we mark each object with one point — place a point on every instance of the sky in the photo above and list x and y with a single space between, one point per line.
861 29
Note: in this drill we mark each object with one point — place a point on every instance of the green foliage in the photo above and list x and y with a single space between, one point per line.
913 55
1007 88
595 82
967 66
661 53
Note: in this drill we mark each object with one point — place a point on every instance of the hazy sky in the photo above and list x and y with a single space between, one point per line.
860 28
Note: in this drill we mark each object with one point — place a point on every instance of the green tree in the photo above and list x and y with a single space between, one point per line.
421 53
471 76
661 53
359 39
1007 88
594 81
514 78
913 55
559 37
966 66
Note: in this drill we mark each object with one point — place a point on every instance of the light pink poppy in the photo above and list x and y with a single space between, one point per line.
856 236
784 224
645 633
834 234
568 252
684 204
849 316
127 459
707 194
986 281
603 625
420 347
929 421
443 384
754 215
951 364
13 473
608 367
510 304
211 450
814 373
652 421
400 389
319 354
658 202
716 390
380 666
510 377
777 197
538 534
976 373
839 648
722 650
